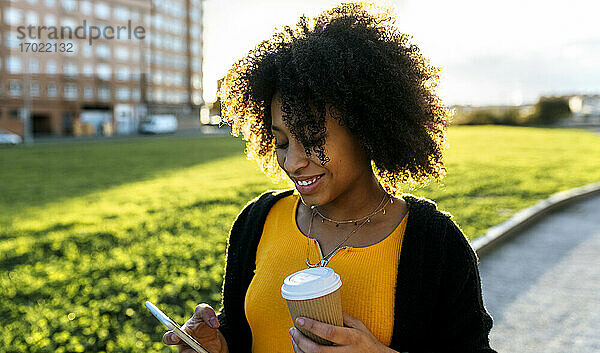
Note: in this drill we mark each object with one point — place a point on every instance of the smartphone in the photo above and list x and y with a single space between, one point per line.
171 325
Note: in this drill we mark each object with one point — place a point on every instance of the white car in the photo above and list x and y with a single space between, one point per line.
9 138
159 124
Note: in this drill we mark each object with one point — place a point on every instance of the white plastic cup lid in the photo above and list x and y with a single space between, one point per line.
310 283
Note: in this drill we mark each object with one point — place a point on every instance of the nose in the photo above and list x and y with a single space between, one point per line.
294 157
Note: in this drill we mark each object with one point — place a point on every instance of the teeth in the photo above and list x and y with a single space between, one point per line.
307 182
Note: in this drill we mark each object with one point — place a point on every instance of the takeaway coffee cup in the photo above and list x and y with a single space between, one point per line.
314 293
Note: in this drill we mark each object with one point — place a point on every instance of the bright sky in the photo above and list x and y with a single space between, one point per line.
490 52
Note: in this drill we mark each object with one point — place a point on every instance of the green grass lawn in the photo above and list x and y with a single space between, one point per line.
88 232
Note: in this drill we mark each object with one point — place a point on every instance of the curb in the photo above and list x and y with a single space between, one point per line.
497 235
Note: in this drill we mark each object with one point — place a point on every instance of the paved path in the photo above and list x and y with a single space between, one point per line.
543 287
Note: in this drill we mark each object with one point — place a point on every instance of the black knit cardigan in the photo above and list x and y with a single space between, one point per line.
438 302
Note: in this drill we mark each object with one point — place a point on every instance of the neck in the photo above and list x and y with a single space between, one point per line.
358 201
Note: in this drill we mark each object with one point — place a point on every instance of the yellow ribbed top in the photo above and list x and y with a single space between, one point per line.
368 277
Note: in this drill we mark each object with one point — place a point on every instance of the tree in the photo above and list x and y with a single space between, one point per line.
549 110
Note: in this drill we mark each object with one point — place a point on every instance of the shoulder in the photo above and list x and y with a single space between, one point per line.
266 200
435 228
255 211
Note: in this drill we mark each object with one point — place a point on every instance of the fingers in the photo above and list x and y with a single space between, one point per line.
295 346
170 338
303 344
335 334
206 313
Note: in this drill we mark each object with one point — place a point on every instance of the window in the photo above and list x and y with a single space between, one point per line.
32 18
88 70
13 64
135 55
51 67
196 66
34 66
135 95
158 21
52 91
70 25
85 7
158 95
123 93
69 5
86 50
123 73
196 82
122 53
104 93
50 3
13 17
178 79
121 13
70 69
196 98
157 77
14 88
33 2
34 89
11 40
103 51
70 91
88 92
196 48
102 10
104 72
49 20
135 15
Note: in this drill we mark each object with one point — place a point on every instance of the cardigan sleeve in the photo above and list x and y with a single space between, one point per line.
231 316
464 321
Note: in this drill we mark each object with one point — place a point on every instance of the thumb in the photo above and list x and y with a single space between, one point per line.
206 313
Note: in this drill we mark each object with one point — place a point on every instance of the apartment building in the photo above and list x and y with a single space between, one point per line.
77 67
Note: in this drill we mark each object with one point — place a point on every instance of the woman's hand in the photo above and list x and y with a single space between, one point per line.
355 337
203 327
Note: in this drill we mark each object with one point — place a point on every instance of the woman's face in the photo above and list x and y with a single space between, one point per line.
347 169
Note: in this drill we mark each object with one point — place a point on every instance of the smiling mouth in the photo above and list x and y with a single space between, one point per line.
309 181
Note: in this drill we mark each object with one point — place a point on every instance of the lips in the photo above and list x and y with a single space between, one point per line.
310 187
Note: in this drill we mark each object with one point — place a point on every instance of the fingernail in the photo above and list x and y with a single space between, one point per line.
213 322
174 338
300 322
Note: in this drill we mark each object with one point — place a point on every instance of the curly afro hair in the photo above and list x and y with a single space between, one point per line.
353 62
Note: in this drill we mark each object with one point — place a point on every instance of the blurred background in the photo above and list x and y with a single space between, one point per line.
117 184
504 57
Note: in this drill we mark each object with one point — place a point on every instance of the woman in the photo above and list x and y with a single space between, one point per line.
344 107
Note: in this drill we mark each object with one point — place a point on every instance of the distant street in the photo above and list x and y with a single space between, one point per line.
543 287
207 130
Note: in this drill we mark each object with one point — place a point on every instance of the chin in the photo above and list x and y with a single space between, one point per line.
312 200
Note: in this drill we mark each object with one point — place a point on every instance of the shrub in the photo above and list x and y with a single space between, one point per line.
510 116
549 110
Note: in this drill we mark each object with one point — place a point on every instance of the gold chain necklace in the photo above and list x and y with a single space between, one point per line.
323 262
